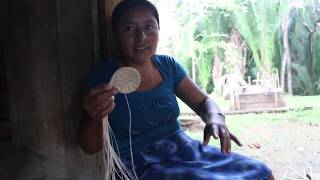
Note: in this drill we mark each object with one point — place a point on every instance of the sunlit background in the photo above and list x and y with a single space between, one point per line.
260 61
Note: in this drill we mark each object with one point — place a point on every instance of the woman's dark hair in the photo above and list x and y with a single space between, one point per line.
125 5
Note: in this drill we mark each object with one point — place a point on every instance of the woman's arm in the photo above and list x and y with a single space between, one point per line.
198 101
97 104
209 112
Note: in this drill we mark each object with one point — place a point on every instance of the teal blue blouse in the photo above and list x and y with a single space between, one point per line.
154 113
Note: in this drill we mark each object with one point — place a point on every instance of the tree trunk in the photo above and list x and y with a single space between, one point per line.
108 47
310 53
286 59
217 76
193 70
309 57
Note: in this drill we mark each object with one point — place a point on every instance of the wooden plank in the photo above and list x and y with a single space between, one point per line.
260 105
21 75
257 89
10 53
193 116
45 81
256 98
257 110
107 43
77 54
54 49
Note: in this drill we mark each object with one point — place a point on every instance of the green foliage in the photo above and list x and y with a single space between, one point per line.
316 54
206 30
305 46
205 72
303 83
258 22
201 39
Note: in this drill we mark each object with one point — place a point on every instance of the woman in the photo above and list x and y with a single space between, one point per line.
161 150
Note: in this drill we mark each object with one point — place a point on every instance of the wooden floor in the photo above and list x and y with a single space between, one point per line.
21 164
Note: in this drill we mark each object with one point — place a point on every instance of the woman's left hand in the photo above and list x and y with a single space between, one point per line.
220 130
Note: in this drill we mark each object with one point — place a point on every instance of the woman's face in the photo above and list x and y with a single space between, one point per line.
137 34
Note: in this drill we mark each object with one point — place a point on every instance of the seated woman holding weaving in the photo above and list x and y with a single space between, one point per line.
160 148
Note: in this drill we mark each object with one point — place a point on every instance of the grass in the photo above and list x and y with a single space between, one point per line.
297 112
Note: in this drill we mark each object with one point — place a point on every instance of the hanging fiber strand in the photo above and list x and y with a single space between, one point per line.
126 80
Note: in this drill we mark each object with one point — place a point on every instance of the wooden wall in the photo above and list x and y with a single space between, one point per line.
5 129
107 41
51 47
4 33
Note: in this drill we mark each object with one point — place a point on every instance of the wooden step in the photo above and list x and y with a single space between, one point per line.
265 105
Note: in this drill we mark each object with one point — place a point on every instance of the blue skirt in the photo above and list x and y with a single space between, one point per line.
179 157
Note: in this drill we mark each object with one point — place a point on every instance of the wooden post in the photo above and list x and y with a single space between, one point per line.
108 48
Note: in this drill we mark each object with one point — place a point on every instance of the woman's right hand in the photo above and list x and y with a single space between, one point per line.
99 102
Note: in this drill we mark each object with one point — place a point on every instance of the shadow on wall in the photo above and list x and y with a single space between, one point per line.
21 164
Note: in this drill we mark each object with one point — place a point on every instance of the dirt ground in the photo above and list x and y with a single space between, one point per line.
290 148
